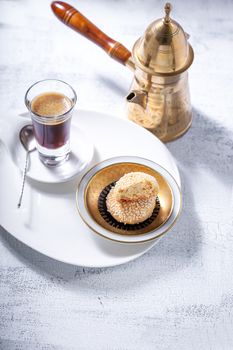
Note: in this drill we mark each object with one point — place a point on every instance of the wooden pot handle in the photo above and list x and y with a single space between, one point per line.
75 20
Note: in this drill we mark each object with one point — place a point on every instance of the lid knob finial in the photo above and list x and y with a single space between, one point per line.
167 9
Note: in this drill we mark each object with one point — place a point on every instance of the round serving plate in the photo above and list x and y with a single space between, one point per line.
108 172
48 220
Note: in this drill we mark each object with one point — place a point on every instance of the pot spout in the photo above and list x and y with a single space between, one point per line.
137 97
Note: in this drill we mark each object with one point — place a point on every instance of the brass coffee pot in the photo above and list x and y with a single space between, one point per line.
159 99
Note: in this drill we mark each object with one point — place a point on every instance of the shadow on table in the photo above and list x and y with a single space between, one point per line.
207 144
119 88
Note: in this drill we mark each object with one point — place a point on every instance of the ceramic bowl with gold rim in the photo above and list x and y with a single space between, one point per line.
105 174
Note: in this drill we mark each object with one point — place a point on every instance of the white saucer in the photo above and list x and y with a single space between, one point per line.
48 220
81 155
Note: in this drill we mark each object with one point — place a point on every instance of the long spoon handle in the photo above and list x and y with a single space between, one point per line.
24 178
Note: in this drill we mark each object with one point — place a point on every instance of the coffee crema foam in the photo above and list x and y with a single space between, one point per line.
51 104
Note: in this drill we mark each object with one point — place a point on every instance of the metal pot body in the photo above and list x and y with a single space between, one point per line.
165 107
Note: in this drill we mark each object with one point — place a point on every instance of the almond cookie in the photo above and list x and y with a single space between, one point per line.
130 212
136 185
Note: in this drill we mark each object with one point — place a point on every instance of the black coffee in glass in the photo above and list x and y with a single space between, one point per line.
50 103
55 131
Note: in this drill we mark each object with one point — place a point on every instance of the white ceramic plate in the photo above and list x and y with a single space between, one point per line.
88 219
48 220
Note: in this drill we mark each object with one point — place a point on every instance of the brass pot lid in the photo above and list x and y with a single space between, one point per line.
164 47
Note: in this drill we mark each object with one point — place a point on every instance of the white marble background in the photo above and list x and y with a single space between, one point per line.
180 294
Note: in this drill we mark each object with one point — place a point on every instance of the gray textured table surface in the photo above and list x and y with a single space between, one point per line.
180 294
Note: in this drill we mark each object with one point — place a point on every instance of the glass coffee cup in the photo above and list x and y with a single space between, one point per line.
50 103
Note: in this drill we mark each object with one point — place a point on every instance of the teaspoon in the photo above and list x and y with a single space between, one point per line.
27 139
